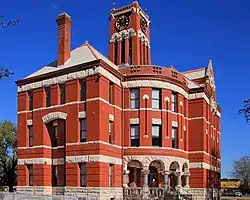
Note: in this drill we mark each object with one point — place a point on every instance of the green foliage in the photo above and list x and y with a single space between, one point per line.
5 73
8 154
7 24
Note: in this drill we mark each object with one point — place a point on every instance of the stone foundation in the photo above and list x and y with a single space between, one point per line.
88 193
203 193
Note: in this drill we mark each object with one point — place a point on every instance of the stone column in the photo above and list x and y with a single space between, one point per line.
125 176
145 173
186 174
166 179
178 186
145 189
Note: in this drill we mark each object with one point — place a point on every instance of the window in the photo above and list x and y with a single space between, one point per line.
134 98
156 135
110 132
83 130
30 171
83 173
30 94
123 52
54 175
47 95
110 175
135 135
55 136
62 94
156 98
115 52
174 138
111 92
130 52
174 102
30 128
83 90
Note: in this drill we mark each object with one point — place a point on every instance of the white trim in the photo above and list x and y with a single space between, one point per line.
71 76
94 158
29 122
58 161
156 121
31 161
111 117
203 165
200 95
184 127
94 142
52 116
82 115
154 147
155 84
145 96
134 120
174 123
41 146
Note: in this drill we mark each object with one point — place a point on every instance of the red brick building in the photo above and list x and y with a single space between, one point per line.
102 127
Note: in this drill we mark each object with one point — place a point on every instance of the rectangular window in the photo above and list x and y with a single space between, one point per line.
156 98
55 136
83 174
134 98
174 138
123 52
174 101
83 90
110 175
30 94
83 130
110 132
156 135
116 52
54 175
130 52
111 92
30 171
135 135
62 94
30 128
47 95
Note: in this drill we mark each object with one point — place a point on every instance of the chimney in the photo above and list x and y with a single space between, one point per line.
64 31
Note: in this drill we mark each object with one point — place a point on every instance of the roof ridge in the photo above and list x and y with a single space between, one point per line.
194 70
91 48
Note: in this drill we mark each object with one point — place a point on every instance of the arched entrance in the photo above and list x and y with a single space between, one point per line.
174 168
156 177
135 174
56 129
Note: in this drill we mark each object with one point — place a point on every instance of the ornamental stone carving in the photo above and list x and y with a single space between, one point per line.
126 34
82 115
54 115
145 96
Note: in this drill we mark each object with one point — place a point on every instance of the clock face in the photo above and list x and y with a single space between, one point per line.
122 22
144 25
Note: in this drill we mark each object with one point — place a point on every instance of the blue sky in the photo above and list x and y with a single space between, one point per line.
184 33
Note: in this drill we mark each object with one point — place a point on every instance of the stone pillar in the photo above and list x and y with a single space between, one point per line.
186 174
145 189
178 186
166 179
145 173
125 176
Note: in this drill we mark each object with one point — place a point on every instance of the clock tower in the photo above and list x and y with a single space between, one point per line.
129 42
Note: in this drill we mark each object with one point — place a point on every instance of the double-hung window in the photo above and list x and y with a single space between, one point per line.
110 175
30 94
30 172
47 96
174 102
134 98
30 128
54 175
62 94
83 90
83 130
111 129
174 137
156 98
135 135
156 135
83 173
111 86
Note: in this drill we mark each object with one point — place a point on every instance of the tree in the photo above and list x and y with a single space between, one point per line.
8 154
245 111
241 170
5 73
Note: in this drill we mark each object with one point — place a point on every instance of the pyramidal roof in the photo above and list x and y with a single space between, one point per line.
83 54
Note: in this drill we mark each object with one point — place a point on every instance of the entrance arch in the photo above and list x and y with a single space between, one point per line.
156 177
174 168
135 178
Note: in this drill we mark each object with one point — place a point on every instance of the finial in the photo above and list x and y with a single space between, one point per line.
86 42
210 63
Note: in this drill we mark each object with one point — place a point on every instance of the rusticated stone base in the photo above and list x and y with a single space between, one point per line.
88 193
203 193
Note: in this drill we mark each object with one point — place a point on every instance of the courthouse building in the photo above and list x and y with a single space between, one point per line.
117 127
